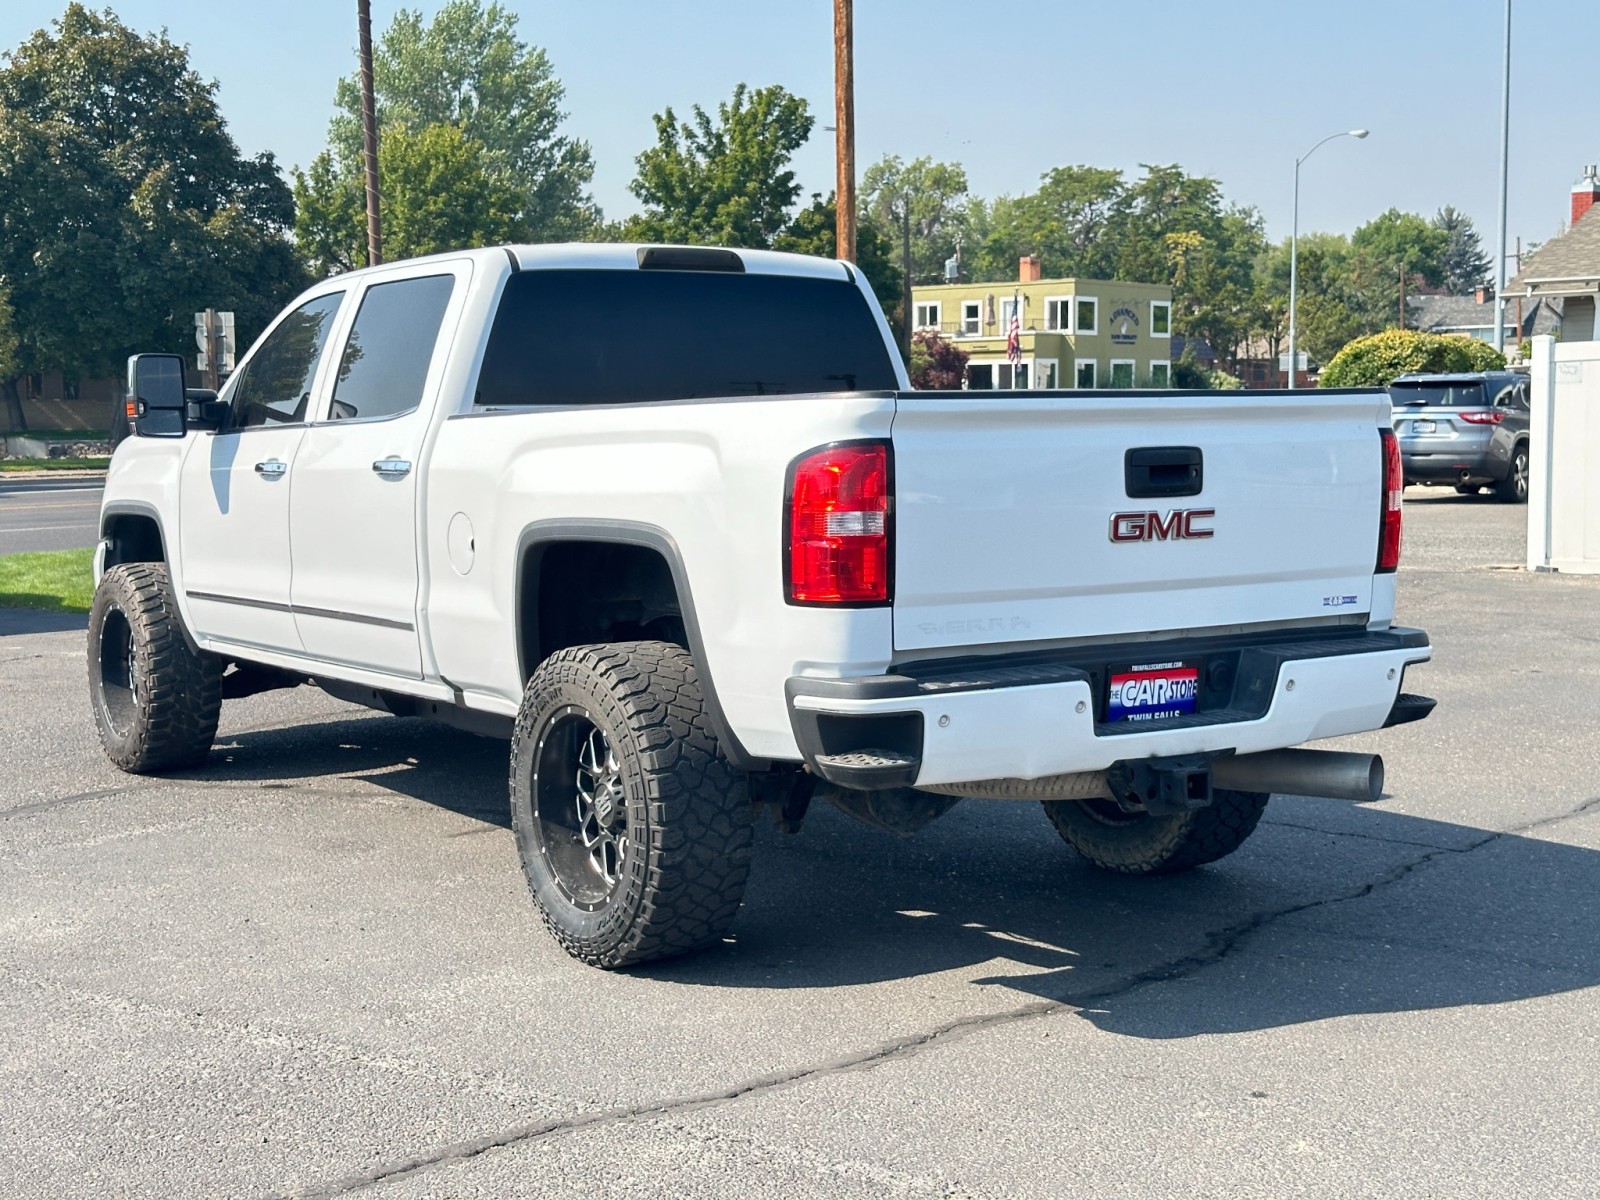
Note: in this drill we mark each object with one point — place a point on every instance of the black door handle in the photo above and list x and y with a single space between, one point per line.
1159 471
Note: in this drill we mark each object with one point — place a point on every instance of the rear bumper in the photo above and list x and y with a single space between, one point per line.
1450 466
1032 716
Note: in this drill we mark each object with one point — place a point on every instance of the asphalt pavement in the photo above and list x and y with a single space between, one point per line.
311 968
49 514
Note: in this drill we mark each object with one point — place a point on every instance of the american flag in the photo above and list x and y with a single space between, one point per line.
1014 332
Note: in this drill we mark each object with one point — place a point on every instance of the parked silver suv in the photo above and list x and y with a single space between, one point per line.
1465 430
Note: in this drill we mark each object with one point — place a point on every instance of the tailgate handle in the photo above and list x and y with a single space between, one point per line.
1152 471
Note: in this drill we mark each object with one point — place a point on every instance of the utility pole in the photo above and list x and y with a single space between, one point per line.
1505 150
369 135
905 268
844 111
1519 298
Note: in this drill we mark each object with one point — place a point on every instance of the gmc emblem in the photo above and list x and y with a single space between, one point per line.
1177 525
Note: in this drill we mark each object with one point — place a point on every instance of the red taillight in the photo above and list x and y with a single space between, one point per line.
1483 418
838 525
1394 485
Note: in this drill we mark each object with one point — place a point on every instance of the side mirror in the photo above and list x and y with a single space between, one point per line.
156 393
205 411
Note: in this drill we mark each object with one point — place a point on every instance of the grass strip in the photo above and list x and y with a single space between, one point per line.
23 465
52 580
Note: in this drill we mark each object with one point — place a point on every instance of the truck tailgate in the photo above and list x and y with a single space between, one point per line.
1014 523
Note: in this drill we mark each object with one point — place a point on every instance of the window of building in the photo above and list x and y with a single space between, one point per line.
274 386
1160 373
1045 371
980 376
1058 313
385 362
971 316
1006 307
1009 378
927 314
1160 318
1121 373
1085 369
1088 316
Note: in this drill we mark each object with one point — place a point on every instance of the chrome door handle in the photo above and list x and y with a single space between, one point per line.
272 468
391 468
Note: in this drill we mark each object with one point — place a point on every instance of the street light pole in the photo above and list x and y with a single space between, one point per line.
1500 244
1294 238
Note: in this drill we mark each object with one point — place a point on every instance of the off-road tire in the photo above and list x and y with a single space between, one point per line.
688 833
1513 489
1140 844
155 699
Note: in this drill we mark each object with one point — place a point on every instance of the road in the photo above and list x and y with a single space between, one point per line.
48 514
311 968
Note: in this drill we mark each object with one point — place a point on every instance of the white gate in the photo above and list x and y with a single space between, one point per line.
1564 467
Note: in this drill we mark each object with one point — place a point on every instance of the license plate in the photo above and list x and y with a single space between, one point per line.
1422 427
1151 691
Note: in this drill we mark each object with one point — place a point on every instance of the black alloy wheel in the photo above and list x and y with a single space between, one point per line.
155 698
635 834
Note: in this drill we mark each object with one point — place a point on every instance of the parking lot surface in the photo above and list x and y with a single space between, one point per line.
311 968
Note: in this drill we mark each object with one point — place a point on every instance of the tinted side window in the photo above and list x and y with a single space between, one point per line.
385 362
275 385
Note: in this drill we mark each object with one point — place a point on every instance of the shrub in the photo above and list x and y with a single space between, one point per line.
935 363
1374 361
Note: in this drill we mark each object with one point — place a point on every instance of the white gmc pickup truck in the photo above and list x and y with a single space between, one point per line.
673 522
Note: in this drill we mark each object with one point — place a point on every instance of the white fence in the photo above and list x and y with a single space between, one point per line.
1564 471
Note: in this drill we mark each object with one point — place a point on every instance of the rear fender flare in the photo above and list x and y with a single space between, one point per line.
650 537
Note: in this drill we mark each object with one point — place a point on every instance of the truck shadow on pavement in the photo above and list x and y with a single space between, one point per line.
1330 910
17 621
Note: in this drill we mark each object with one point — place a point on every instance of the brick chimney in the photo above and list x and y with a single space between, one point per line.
1485 293
1028 264
1585 192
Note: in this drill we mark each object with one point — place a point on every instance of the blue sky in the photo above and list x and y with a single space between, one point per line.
1233 89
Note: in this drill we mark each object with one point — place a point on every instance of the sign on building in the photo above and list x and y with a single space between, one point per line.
213 333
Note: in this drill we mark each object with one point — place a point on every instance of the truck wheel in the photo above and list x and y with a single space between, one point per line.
1140 844
1513 489
155 700
635 834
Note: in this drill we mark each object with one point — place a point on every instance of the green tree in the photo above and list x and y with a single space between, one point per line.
723 181
929 195
124 203
463 84
1064 223
1172 227
1463 264
441 191
814 230
1396 241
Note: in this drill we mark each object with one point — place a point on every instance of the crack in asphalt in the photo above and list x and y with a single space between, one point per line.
1220 945
38 806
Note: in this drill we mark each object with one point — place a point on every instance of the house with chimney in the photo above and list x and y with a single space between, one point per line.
1473 316
1071 333
1564 273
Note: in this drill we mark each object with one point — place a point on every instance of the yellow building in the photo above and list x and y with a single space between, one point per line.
1075 333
